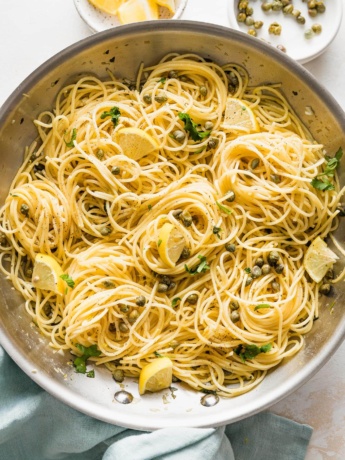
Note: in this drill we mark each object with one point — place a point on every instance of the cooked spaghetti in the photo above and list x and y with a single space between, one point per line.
238 195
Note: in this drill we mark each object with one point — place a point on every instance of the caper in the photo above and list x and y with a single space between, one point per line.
320 7
243 4
162 287
124 308
325 289
105 231
174 343
115 170
119 375
140 301
275 178
241 17
275 28
266 269
275 286
296 13
252 32
24 209
230 247
234 316
212 143
312 12
279 268
329 274
192 299
258 24
186 219
166 280
161 99
232 77
185 254
47 309
123 327
234 305
259 262
254 163
172 74
183 78
147 98
177 213
301 19
249 281
108 284
277 6
273 258
133 316
266 6
179 135
286 2
171 286
203 90
341 210
311 4
316 28
308 34
249 21
230 196
256 271
249 11
209 125
281 48
100 154
28 272
288 9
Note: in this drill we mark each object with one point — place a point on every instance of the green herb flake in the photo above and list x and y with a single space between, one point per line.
159 243
245 351
224 208
114 113
91 374
158 355
248 270
80 362
73 138
149 207
200 268
163 80
191 127
175 301
68 280
262 305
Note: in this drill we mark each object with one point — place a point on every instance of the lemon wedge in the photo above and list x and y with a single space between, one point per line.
169 4
239 116
135 142
170 244
137 10
46 274
156 376
108 6
318 259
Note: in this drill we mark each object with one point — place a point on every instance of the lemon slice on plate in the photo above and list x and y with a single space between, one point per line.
170 244
239 116
169 4
107 6
135 142
137 10
318 259
156 376
46 274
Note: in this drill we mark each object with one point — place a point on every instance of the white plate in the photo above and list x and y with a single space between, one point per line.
98 21
292 36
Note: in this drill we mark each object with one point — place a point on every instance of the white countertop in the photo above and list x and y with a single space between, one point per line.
32 31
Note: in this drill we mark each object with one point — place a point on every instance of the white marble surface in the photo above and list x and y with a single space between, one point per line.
32 31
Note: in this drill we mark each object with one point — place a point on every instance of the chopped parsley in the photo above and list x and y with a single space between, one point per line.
175 301
91 374
224 208
149 207
163 80
73 138
248 270
191 127
158 355
159 243
262 305
80 362
114 113
245 351
321 182
68 280
200 268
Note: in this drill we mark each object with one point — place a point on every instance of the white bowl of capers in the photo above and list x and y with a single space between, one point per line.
303 29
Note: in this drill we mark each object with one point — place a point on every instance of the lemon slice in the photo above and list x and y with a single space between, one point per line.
169 4
156 376
318 259
46 274
108 6
135 142
137 10
239 116
170 244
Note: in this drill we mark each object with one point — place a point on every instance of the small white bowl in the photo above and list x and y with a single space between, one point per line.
292 36
98 21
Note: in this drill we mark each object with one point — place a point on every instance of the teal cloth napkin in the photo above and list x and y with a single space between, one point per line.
29 431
